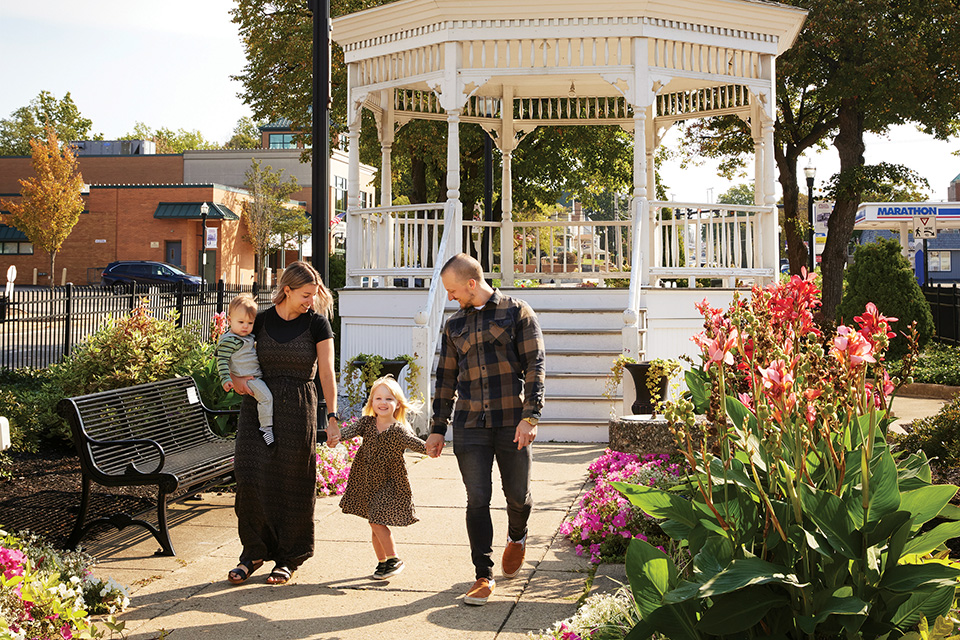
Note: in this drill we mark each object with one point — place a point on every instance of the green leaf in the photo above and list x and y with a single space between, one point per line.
884 490
911 577
715 555
927 542
737 412
658 503
737 612
834 606
744 572
949 511
699 388
828 512
923 604
879 532
651 574
926 503
915 466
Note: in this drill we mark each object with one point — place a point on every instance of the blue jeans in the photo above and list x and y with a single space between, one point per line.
475 449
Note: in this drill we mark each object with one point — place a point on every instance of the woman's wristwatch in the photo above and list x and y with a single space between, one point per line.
333 414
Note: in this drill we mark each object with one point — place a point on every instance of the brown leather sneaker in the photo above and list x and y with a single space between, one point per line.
513 556
479 592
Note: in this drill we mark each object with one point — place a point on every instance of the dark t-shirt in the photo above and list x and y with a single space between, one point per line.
286 330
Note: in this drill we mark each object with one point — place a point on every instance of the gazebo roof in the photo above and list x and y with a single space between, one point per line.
446 20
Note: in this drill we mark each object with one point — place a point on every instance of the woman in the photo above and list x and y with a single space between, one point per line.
277 484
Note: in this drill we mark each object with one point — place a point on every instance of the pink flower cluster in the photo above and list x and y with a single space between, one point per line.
604 513
218 326
11 562
333 465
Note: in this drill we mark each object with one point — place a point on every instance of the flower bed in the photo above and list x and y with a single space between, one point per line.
606 521
333 465
603 616
46 593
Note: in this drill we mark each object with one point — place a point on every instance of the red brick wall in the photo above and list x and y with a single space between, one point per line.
121 219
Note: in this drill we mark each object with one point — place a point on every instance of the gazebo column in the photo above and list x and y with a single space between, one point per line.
638 204
771 229
452 215
387 221
354 227
507 143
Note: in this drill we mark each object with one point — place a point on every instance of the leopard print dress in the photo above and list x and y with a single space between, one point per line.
378 488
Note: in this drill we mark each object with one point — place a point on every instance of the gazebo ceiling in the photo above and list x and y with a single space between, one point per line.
768 25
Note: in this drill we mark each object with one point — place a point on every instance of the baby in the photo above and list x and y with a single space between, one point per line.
237 355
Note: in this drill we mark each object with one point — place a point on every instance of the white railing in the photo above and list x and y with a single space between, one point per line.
691 240
393 242
429 319
553 250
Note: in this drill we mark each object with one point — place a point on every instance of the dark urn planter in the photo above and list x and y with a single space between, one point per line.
644 404
387 367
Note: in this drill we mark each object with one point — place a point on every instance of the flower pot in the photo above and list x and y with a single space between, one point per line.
644 404
387 367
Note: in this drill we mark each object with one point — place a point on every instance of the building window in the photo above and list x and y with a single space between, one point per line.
939 261
282 141
339 195
16 248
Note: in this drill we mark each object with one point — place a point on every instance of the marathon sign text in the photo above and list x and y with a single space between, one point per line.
886 212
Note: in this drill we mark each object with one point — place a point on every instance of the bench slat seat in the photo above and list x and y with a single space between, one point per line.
150 434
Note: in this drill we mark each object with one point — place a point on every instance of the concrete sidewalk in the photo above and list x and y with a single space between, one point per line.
333 595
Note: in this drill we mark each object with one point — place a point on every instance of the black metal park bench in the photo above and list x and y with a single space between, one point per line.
150 434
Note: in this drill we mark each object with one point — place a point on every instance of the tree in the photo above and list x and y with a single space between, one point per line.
858 66
737 194
169 141
28 123
267 213
50 203
246 135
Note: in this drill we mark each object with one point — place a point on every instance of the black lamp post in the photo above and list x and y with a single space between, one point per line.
204 210
811 172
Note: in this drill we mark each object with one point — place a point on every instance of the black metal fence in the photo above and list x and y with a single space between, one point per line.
945 307
40 326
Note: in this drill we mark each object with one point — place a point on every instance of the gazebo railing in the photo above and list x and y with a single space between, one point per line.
691 240
393 242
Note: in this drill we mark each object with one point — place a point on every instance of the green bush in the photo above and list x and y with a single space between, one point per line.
881 275
937 436
28 398
128 351
938 364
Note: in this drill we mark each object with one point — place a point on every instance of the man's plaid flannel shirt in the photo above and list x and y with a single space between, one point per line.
492 363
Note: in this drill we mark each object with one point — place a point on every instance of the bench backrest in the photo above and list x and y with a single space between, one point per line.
168 412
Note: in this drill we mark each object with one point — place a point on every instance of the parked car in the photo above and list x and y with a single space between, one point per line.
124 272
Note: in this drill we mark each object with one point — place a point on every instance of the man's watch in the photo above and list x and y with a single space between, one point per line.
333 414
533 421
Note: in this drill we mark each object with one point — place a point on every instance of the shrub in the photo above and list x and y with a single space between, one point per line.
937 436
28 398
881 275
938 364
128 351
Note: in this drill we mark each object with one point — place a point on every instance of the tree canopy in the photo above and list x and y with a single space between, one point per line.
246 135
50 203
169 141
30 122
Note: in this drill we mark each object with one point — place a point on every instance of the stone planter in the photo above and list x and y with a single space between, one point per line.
633 434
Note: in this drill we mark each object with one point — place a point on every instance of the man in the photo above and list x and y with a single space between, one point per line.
492 360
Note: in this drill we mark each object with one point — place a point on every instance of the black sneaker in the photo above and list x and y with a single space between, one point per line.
389 568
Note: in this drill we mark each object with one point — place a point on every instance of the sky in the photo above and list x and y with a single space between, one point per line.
168 64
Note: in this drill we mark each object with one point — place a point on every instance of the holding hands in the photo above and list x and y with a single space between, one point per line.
333 432
434 445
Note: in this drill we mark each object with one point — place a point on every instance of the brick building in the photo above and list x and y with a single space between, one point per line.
147 207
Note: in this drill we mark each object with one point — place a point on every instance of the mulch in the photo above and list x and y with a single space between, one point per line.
42 494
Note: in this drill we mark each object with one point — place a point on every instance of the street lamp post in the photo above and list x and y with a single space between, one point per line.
811 172
204 210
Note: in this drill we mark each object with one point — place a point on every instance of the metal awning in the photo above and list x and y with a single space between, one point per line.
12 234
191 211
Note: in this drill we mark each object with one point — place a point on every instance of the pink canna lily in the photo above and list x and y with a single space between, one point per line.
853 346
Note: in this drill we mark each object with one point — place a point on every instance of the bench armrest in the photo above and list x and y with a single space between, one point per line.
131 467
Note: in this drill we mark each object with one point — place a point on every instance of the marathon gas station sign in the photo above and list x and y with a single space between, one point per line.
891 215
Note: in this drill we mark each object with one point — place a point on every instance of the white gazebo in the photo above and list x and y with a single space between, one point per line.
513 66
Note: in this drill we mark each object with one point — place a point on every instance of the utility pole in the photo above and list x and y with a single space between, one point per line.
320 235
